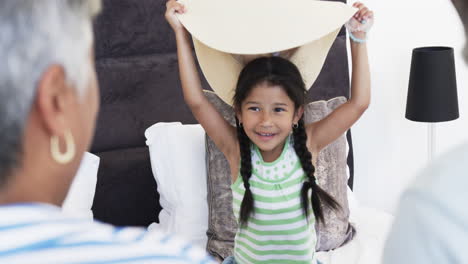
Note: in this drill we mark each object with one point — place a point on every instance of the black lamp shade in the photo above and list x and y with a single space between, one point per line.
432 91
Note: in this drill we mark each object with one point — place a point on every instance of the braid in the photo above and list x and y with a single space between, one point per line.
246 172
318 194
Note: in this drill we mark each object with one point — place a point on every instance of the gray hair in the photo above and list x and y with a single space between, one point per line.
35 34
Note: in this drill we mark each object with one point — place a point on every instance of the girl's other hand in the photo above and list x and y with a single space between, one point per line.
173 7
363 18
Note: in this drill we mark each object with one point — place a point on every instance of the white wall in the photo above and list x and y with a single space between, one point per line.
389 149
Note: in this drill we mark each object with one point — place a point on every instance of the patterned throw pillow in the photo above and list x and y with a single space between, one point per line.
330 172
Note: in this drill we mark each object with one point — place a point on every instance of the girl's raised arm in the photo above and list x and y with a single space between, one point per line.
217 128
325 131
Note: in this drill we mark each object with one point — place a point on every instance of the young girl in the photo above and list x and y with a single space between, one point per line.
271 151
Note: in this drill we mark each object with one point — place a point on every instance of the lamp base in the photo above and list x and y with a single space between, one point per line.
431 131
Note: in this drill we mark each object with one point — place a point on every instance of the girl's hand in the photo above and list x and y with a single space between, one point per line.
362 21
363 13
173 7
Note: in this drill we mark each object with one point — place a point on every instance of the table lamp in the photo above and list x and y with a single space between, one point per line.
432 91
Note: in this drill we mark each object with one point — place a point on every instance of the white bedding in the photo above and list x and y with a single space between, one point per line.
367 246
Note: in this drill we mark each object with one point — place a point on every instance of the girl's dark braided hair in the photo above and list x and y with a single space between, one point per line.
245 172
281 72
319 196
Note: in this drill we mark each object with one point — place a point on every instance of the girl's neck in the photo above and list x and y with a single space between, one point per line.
272 155
269 156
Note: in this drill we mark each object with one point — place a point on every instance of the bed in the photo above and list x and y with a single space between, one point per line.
183 196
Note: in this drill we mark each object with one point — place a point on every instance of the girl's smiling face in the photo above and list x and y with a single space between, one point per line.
267 115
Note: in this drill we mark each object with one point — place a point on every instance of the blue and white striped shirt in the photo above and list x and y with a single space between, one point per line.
39 233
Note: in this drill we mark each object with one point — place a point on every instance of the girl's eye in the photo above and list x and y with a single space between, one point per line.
279 109
254 108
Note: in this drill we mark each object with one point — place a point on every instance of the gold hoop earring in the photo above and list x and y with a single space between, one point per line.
69 154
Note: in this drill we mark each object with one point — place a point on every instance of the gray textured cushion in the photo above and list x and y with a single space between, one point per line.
330 172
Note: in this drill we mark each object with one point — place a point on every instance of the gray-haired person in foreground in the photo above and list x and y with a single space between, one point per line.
48 105
431 225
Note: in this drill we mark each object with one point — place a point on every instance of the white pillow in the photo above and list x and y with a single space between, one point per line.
80 196
177 154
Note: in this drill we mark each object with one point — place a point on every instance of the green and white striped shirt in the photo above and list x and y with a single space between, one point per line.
277 231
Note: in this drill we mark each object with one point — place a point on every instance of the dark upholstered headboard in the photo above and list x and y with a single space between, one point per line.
137 70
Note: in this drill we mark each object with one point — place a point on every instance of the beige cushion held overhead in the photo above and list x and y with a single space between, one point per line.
221 28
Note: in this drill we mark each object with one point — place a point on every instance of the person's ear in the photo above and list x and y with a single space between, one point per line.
52 100
298 114
238 114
